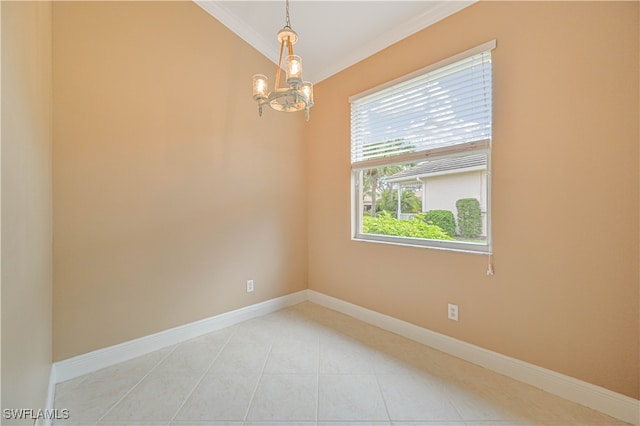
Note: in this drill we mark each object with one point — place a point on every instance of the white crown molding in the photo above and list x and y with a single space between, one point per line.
437 12
216 9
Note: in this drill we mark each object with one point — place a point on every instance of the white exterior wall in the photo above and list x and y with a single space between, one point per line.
442 192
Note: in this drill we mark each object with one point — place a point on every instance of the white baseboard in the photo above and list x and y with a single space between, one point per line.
596 397
50 402
83 364
611 403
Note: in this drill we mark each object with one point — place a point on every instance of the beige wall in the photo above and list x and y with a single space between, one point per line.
170 192
565 193
26 204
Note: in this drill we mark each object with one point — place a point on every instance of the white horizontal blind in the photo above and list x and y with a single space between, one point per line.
446 107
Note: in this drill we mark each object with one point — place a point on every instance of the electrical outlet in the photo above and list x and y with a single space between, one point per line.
249 286
453 312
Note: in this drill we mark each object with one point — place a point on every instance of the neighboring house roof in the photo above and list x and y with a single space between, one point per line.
442 166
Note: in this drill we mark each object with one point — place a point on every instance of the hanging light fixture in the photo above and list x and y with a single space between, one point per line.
298 94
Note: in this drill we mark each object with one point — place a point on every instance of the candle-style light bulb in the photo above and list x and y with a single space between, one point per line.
307 90
293 66
260 87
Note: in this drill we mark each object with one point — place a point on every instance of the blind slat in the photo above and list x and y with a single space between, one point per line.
442 108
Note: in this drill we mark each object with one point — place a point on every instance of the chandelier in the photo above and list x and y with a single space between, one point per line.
298 94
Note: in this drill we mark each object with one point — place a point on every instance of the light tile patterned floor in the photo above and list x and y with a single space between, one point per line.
307 365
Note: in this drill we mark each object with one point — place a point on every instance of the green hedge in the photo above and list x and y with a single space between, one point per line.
385 224
444 219
469 217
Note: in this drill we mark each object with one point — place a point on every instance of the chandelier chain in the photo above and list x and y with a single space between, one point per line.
288 20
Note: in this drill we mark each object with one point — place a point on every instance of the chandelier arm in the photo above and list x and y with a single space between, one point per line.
290 45
279 65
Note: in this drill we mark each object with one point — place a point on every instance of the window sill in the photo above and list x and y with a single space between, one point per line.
455 246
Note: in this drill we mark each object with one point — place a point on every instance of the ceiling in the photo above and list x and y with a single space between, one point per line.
333 35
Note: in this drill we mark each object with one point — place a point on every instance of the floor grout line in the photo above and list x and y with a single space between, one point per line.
255 389
318 383
384 400
137 383
186 398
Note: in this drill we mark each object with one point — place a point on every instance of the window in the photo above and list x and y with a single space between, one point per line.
421 156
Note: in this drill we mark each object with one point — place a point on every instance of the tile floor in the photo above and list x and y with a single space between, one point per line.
308 365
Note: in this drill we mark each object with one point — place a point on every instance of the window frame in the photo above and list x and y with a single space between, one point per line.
480 146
